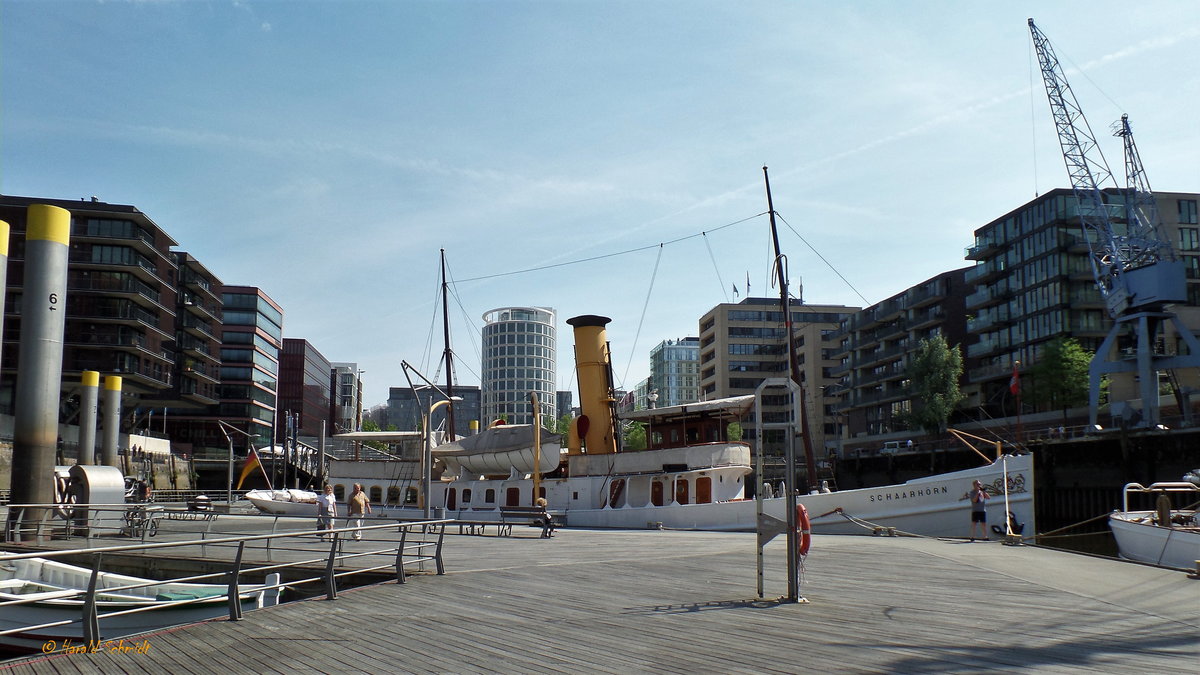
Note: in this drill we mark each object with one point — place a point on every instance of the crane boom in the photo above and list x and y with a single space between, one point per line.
1141 208
1115 252
1134 265
1086 167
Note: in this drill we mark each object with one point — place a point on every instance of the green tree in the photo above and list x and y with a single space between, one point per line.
369 424
933 375
562 425
734 431
1060 376
635 436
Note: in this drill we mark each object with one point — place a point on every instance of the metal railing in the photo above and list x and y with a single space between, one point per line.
391 546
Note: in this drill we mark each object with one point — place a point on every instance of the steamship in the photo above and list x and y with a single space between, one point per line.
695 478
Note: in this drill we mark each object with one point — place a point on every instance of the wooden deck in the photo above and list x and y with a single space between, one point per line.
620 602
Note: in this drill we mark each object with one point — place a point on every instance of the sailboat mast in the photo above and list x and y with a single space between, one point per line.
793 362
447 356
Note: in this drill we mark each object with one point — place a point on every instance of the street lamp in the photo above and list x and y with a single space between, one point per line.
225 428
427 455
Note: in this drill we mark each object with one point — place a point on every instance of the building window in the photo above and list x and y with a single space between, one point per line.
1187 211
1189 239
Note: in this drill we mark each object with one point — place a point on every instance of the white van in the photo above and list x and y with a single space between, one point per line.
890 448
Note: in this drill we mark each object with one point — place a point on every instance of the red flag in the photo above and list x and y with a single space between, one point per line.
1014 385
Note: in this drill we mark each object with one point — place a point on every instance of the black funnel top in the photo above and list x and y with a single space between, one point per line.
588 320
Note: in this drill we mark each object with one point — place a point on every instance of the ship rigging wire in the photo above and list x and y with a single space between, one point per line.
641 321
610 255
827 263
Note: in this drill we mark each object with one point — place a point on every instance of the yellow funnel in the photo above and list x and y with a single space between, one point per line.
595 384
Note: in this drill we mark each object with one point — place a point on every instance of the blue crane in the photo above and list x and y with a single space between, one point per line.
1133 263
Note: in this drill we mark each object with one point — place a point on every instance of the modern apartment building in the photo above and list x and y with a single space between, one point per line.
564 402
875 346
744 343
519 347
134 308
675 372
346 406
121 297
250 349
303 389
406 408
1033 282
195 392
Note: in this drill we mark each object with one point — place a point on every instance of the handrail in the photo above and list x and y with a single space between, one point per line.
402 552
1170 486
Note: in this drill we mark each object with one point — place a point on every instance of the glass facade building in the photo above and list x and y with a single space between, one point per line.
1033 281
519 347
303 388
675 372
250 346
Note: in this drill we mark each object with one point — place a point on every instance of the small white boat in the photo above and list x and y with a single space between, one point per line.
56 590
1167 536
284 502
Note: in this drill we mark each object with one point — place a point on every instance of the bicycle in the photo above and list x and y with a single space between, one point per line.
139 523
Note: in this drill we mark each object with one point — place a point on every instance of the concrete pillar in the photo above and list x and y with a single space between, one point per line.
39 366
112 421
88 399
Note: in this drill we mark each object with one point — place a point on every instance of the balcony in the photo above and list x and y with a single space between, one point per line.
205 310
196 327
982 249
933 315
984 347
986 271
137 290
991 372
866 359
989 318
928 293
989 295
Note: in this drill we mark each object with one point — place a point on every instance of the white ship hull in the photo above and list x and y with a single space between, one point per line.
712 498
1168 536
1141 540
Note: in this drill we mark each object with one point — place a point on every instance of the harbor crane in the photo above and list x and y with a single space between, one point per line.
1134 264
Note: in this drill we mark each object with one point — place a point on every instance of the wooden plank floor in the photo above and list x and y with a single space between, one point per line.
684 602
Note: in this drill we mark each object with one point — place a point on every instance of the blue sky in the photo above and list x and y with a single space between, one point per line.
326 151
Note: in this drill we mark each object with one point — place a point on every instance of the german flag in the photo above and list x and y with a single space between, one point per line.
252 463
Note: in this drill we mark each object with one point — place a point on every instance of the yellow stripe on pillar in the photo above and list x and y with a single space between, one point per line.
48 223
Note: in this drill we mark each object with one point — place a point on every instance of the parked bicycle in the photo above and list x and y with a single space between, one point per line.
140 522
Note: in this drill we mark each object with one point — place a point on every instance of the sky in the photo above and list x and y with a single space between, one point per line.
327 151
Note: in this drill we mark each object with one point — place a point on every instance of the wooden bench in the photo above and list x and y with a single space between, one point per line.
527 515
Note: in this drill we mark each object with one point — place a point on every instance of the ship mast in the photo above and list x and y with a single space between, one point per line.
446 354
793 362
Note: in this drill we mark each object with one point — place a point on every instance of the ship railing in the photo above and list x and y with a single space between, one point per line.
1156 488
391 548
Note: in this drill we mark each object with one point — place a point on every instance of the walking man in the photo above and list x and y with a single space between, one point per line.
357 507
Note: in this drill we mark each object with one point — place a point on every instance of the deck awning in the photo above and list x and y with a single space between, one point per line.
735 407
385 436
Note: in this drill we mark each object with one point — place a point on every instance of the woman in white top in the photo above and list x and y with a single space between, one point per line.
326 510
